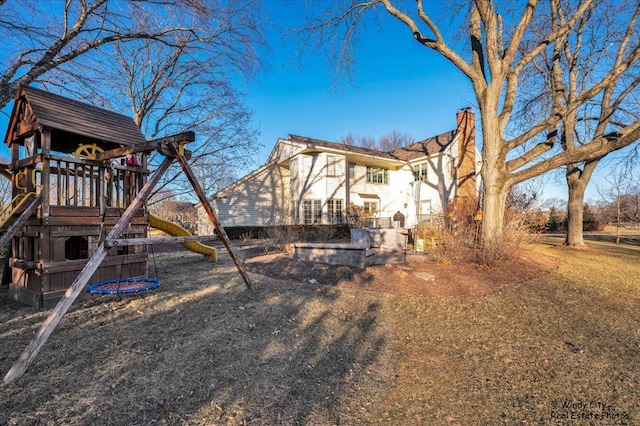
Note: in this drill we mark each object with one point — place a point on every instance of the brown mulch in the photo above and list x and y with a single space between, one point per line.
449 280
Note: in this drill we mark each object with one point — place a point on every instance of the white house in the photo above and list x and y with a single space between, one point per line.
310 181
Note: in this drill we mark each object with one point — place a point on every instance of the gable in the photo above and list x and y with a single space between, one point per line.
70 121
284 149
427 147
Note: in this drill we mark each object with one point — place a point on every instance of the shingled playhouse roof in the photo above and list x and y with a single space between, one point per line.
70 116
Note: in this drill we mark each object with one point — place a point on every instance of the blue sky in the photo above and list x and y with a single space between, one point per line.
397 84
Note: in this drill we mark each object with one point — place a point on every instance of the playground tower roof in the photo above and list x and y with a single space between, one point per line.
71 122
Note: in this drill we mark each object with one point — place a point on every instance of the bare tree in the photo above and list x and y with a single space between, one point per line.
5 191
363 141
186 86
386 143
578 59
504 42
621 197
38 37
394 140
183 80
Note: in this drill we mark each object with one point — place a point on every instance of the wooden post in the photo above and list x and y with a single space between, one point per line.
81 280
45 175
207 206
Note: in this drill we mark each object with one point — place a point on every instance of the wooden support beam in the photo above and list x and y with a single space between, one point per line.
4 171
156 144
187 136
207 206
81 280
25 162
157 240
22 219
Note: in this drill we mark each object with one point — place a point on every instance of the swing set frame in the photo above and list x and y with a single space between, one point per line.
173 149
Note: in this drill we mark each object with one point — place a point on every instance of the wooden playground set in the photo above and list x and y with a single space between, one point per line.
80 182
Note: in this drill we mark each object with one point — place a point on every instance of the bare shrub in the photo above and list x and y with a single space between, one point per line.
457 239
355 216
280 236
325 233
501 250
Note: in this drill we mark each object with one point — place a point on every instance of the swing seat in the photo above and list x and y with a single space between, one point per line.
123 286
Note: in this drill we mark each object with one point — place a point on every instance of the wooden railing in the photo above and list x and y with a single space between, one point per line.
76 182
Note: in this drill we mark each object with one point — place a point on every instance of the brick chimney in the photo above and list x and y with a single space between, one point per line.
466 128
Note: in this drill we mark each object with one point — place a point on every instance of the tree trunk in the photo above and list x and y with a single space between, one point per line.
495 186
577 180
495 197
575 210
618 218
493 171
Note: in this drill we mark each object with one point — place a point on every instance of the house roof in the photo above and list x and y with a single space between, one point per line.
426 147
67 116
423 148
317 143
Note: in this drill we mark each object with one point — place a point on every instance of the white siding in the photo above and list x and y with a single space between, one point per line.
335 183
313 182
265 197
261 198
284 149
392 196
311 177
441 187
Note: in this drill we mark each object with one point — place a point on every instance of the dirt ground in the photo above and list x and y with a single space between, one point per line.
448 280
327 345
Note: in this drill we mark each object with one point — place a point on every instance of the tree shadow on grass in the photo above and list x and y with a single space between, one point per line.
202 350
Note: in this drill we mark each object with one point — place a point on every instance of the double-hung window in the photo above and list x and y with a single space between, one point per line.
334 211
377 175
371 208
332 165
421 172
312 210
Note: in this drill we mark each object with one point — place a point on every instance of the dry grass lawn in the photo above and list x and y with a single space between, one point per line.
202 349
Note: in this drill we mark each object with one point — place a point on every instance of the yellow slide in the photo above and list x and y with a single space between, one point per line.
210 253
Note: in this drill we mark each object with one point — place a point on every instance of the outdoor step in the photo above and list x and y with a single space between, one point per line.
425 276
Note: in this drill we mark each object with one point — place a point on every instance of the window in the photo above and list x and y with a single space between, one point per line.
426 211
371 208
332 162
312 211
334 211
352 171
317 211
76 248
421 172
370 213
377 175
308 212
